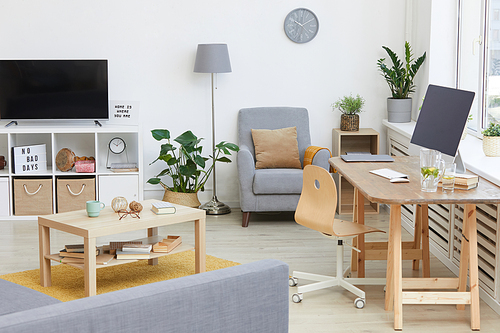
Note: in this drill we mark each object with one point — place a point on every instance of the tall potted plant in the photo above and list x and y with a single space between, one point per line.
186 166
349 106
400 79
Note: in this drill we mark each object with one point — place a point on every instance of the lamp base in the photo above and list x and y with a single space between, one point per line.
215 207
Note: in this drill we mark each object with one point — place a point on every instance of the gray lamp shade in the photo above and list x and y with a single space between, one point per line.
212 58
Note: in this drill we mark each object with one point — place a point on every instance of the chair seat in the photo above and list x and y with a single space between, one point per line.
277 181
347 228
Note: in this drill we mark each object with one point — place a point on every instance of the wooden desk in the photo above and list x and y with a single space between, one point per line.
108 223
379 189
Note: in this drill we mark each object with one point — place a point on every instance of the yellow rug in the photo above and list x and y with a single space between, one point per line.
67 281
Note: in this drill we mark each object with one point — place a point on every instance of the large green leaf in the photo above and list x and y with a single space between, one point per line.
154 181
200 161
187 138
160 134
224 159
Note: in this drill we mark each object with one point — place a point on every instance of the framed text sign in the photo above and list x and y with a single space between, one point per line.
29 159
124 112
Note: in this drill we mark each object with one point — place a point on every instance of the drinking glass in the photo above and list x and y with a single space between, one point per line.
448 180
431 169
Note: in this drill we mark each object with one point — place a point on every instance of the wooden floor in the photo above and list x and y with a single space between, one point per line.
277 236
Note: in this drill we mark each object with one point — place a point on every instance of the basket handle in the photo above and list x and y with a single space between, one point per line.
28 193
75 194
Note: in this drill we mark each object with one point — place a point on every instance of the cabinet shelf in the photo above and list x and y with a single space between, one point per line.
83 140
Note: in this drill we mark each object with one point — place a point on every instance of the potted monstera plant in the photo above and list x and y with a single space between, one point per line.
400 78
185 166
349 106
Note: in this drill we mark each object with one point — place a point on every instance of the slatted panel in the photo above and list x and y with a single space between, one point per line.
439 226
486 235
398 148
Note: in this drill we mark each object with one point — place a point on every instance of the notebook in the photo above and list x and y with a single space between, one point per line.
366 158
388 173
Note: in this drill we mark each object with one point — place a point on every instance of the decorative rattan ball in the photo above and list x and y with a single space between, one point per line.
135 206
119 203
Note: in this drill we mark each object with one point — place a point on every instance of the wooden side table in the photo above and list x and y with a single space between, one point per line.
365 140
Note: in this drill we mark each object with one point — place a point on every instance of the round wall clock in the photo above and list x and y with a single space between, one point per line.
117 145
301 25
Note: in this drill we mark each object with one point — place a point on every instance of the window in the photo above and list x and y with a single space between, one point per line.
479 59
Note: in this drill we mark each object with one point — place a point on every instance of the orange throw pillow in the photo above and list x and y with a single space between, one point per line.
276 148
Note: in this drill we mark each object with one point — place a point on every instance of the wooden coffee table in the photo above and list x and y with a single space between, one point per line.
108 223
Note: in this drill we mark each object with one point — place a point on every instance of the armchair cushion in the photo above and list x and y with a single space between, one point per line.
276 148
277 181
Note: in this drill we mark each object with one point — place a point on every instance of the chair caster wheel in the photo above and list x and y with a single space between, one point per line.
292 281
297 298
359 303
385 289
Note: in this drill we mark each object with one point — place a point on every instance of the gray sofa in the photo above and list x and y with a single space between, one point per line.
247 298
264 190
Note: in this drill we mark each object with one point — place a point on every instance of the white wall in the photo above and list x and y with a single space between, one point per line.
151 47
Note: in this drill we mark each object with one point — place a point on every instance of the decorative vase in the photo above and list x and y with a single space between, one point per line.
119 203
399 110
349 122
180 198
491 146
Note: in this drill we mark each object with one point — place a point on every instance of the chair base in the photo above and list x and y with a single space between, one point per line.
324 281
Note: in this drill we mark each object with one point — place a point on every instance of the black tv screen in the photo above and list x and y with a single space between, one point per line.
53 89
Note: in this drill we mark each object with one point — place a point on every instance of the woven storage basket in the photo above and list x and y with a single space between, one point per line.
32 196
491 145
185 199
349 122
72 194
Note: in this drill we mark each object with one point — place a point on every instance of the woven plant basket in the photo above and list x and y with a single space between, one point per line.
180 198
349 122
491 145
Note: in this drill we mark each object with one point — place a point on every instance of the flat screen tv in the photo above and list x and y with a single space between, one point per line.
53 89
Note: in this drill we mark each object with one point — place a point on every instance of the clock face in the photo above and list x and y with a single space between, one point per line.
301 25
117 145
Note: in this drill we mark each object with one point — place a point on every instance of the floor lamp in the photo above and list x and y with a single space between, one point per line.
213 58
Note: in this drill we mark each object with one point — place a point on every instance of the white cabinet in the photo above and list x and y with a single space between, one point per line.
111 186
83 141
4 197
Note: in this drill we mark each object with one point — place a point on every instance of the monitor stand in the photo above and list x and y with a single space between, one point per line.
13 122
459 162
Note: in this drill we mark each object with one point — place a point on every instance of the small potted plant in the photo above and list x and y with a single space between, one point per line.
186 166
349 106
491 140
400 79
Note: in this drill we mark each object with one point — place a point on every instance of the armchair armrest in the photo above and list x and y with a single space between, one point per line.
246 173
321 159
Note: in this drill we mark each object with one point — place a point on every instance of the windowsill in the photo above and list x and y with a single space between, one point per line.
471 150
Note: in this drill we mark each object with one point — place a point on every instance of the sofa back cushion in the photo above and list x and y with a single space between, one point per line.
274 118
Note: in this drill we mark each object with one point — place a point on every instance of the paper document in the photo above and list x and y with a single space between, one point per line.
388 173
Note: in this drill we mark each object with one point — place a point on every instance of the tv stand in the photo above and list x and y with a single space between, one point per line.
97 123
13 122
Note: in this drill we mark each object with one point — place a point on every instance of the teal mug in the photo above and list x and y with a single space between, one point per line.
94 208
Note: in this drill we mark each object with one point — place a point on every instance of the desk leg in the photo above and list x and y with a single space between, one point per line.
417 234
153 232
90 267
360 214
394 269
44 249
354 254
473 268
464 257
200 251
426 256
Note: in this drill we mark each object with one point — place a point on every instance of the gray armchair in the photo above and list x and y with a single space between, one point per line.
264 190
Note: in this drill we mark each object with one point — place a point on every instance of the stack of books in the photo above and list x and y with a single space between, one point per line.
465 181
134 251
74 254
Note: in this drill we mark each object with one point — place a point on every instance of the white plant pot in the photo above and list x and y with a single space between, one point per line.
399 110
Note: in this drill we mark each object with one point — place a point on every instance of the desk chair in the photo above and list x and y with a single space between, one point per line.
316 210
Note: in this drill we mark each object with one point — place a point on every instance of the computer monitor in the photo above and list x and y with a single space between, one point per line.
442 120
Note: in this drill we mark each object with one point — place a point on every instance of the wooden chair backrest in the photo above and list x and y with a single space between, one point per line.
318 200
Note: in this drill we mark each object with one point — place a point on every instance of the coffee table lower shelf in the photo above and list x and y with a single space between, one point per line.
181 248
